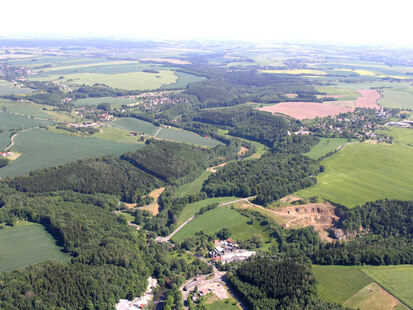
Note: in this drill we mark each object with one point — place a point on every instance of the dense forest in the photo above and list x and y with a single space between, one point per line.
270 177
277 283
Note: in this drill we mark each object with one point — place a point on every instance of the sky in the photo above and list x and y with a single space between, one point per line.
353 22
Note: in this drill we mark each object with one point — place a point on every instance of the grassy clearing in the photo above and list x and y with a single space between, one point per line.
295 71
42 148
348 94
116 134
400 135
128 81
10 121
26 108
186 137
397 280
397 99
113 101
27 244
192 208
193 187
172 134
373 296
134 124
211 222
364 172
7 88
226 304
325 146
183 80
339 283
127 216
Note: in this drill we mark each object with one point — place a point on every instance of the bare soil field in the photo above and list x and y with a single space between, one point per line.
305 110
369 99
330 96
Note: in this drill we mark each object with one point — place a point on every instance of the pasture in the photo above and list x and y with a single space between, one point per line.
226 304
115 134
192 187
397 99
364 172
10 121
400 135
397 280
172 134
129 81
27 108
339 283
183 80
211 222
7 88
27 244
113 101
192 208
325 146
43 148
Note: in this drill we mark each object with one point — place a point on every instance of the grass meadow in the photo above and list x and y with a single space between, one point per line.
400 135
6 88
193 187
193 208
211 222
325 146
43 148
10 121
28 244
364 172
397 99
113 101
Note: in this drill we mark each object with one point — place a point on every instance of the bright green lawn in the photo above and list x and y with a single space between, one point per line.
195 186
25 245
326 145
128 81
113 101
194 207
43 148
129 217
397 99
211 222
397 280
115 134
400 135
226 304
364 172
339 283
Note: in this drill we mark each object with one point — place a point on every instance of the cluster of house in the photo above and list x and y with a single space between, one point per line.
404 124
92 112
149 101
227 251
6 154
105 117
85 125
139 302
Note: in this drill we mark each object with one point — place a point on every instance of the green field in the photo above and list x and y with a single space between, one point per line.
26 108
192 187
134 124
4 140
194 207
115 134
400 135
10 121
183 80
397 99
26 245
347 284
339 283
397 280
364 172
43 148
325 146
211 222
348 94
226 304
6 88
113 101
128 81
186 137
172 134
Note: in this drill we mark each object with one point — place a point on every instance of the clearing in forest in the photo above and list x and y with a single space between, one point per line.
27 244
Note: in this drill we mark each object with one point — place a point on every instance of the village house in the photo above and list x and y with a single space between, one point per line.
227 251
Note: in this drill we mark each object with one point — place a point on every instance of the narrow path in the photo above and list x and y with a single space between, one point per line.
13 136
166 239
157 132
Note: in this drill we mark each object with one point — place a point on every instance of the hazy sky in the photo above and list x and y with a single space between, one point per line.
344 21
